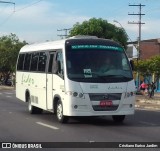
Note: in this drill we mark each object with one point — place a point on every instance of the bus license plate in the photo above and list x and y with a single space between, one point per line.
106 103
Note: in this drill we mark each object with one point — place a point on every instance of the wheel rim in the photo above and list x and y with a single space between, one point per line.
59 111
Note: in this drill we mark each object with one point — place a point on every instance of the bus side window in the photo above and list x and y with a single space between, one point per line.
27 62
50 66
20 62
34 61
59 67
42 62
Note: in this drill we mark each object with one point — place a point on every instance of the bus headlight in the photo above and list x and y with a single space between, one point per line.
129 94
75 94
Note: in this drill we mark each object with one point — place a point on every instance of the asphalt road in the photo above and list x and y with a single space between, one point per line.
17 125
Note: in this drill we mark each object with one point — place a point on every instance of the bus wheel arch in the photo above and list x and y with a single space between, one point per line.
27 95
32 109
55 101
58 110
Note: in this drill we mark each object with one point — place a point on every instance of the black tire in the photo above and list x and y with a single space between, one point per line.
59 113
118 118
32 109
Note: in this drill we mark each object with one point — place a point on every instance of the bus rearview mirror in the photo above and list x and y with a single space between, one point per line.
132 64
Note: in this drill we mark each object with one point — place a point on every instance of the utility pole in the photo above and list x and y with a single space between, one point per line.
139 38
8 3
139 24
66 32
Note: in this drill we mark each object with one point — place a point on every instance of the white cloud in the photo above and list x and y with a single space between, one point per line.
149 30
39 22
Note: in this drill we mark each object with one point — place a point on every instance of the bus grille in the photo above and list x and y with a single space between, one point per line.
105 96
107 108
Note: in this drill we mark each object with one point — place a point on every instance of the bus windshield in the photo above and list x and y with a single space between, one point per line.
97 63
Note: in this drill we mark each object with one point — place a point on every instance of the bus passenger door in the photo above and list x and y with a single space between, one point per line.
49 100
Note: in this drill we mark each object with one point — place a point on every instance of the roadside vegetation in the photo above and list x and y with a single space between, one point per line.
148 67
9 49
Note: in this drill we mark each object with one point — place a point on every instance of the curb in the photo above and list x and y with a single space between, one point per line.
7 88
143 102
147 107
148 104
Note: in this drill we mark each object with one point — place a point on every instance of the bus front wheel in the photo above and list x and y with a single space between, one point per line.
32 109
61 118
118 118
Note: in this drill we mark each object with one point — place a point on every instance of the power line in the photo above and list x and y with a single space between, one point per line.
6 19
4 8
17 10
5 2
28 6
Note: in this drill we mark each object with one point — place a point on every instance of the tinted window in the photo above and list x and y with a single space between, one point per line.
34 61
50 62
20 62
59 60
27 62
97 63
42 62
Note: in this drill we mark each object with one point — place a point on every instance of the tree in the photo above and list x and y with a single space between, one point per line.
149 67
102 29
155 66
9 48
142 66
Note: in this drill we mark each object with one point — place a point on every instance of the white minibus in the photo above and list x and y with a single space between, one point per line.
78 76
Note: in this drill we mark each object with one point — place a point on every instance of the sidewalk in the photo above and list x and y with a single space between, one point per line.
144 102
3 87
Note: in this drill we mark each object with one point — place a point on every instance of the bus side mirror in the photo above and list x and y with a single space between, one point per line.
132 64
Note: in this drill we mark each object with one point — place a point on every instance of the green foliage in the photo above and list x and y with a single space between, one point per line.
148 67
143 68
155 65
9 48
102 29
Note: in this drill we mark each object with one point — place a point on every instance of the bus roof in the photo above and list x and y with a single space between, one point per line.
60 43
43 46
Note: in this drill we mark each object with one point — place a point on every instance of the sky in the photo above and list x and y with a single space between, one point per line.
39 20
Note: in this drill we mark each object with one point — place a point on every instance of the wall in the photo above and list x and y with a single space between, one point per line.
149 49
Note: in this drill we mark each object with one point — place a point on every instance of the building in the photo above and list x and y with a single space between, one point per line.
148 48
132 51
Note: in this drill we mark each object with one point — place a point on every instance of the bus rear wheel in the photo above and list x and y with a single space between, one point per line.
118 118
59 112
32 109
